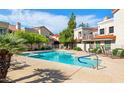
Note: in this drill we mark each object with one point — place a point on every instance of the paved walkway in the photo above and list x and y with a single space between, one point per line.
43 71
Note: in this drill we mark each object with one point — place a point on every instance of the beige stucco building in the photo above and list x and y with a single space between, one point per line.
42 30
84 37
110 33
6 27
118 16
111 30
106 36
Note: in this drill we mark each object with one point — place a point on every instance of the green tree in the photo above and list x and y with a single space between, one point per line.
9 45
67 35
72 22
29 37
83 25
40 39
32 38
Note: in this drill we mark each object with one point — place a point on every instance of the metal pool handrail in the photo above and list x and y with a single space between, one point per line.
89 56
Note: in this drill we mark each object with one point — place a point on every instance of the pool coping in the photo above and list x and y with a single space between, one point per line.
73 54
81 74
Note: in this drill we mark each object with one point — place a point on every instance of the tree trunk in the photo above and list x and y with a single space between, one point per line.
39 46
5 58
31 46
66 45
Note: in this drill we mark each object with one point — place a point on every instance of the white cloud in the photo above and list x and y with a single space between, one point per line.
55 23
92 20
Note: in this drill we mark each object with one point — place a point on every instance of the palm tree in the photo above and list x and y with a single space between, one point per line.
9 45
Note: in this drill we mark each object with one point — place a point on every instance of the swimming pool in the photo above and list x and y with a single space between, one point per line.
62 57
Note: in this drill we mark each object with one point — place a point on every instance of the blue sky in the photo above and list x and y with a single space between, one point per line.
53 19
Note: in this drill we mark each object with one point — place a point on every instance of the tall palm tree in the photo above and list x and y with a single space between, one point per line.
9 45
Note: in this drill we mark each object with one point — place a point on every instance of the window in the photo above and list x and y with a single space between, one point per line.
79 34
2 31
97 44
107 45
111 29
102 31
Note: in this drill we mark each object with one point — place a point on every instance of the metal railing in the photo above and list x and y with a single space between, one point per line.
97 64
88 37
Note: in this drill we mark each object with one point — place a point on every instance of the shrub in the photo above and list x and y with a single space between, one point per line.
36 49
42 48
99 51
94 50
114 51
48 48
77 48
122 53
74 48
90 49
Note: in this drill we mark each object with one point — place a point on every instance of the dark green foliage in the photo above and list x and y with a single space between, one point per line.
72 22
32 38
77 48
114 51
122 53
66 36
84 25
9 44
99 51
12 43
46 48
96 50
42 48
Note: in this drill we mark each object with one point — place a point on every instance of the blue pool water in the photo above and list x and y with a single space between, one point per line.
63 57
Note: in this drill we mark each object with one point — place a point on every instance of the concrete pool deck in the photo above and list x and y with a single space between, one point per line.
45 71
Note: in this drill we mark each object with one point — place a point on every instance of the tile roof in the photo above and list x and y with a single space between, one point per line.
113 37
114 10
91 29
12 27
56 35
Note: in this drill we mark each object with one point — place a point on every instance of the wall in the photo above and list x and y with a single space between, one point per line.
81 46
105 24
119 28
4 25
76 31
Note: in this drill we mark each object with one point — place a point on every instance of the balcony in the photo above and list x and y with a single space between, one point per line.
88 38
96 38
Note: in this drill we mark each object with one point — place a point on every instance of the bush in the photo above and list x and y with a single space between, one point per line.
122 53
99 51
36 49
74 48
77 48
42 48
94 50
48 48
114 51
